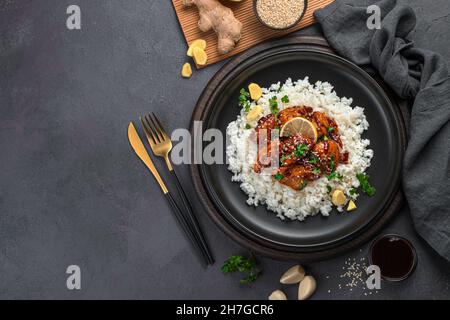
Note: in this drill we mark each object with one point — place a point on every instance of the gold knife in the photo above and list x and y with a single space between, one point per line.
139 149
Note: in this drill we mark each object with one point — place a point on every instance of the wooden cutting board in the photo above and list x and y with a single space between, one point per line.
253 31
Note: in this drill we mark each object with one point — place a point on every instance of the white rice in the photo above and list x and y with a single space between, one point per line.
284 201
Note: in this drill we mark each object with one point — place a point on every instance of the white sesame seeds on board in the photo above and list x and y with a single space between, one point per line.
280 14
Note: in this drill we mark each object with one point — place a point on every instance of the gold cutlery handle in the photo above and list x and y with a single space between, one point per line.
139 149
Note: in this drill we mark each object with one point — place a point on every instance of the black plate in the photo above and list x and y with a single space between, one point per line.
384 133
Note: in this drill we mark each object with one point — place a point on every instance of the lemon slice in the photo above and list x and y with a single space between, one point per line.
299 125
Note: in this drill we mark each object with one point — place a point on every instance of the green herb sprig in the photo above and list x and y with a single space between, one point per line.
283 158
332 163
273 105
366 187
242 265
335 175
244 101
285 99
278 176
313 159
301 150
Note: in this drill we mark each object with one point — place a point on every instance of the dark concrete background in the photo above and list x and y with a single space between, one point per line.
71 190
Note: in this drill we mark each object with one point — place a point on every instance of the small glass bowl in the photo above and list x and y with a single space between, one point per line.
255 10
411 248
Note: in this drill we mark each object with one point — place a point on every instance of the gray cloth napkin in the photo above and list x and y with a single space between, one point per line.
413 73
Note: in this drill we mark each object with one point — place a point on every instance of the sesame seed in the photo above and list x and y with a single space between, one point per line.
280 13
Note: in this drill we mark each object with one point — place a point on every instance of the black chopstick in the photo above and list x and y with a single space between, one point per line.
187 228
192 218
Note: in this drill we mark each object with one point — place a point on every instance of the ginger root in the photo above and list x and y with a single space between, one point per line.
214 15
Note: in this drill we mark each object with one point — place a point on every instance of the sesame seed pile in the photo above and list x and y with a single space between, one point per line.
280 13
355 272
354 276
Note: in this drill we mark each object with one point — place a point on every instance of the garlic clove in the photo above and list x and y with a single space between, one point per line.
306 288
277 295
293 275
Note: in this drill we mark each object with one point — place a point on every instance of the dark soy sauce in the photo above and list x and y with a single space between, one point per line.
395 256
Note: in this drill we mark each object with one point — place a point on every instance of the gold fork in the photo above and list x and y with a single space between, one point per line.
161 146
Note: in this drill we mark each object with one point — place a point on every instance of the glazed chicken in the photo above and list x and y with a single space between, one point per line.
300 158
265 126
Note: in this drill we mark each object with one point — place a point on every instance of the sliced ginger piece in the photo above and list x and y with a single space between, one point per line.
253 114
200 56
338 198
255 91
200 43
351 205
186 71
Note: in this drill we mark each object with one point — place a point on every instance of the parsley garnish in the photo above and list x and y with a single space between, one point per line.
332 163
313 159
250 278
285 99
366 187
335 175
244 100
330 129
301 150
284 158
352 191
303 185
331 176
248 126
329 189
278 176
244 265
316 171
273 104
